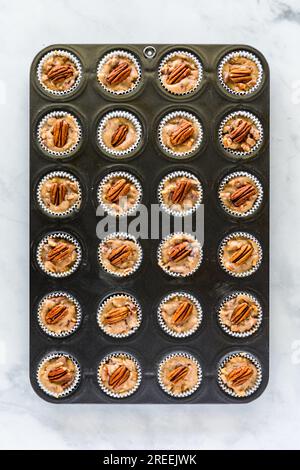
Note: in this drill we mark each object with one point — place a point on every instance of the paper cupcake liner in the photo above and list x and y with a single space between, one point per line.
170 176
190 117
69 389
44 208
189 55
133 120
138 312
187 393
62 334
159 255
248 236
58 114
251 390
255 121
255 327
124 236
165 327
256 204
64 236
70 56
127 55
129 177
247 55
110 392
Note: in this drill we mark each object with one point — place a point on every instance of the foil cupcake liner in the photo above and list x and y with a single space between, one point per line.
248 236
70 56
176 174
58 174
124 54
126 115
256 204
255 327
64 236
58 114
227 389
123 236
163 324
247 55
255 120
129 177
110 392
69 389
42 325
159 255
187 393
190 117
189 55
138 313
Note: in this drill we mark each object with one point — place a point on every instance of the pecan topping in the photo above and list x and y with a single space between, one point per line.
180 192
59 375
240 133
242 194
55 314
119 376
178 374
182 133
182 313
240 375
242 254
116 315
118 190
180 251
60 132
241 313
59 252
58 73
118 255
57 193
119 73
240 73
119 135
180 72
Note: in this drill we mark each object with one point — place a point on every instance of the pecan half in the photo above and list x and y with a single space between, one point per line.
119 73
180 192
240 375
116 315
177 374
55 314
118 255
240 133
118 190
242 194
59 252
119 135
182 133
182 313
58 73
59 375
180 72
241 313
60 132
240 73
119 376
180 251
57 193
242 254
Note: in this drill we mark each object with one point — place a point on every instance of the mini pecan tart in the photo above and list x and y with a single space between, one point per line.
119 133
240 73
58 375
59 194
119 315
240 314
120 254
240 254
240 133
58 254
179 254
180 193
180 134
119 193
119 375
179 314
59 72
119 72
59 133
239 374
179 375
180 73
59 314
240 194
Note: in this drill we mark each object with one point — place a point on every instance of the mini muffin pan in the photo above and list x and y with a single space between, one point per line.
149 163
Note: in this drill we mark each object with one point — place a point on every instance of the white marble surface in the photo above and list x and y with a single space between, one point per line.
274 420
